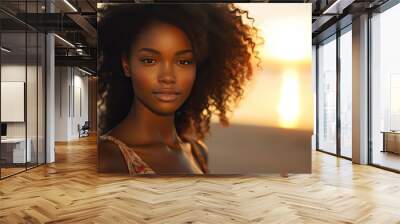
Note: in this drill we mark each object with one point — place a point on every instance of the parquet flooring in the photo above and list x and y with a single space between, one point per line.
71 191
10 171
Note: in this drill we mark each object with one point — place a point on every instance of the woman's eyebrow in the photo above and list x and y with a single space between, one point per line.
150 50
184 52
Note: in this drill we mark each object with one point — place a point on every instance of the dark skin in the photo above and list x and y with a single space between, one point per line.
162 69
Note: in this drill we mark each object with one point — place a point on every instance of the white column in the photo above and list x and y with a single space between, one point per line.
314 86
360 90
50 92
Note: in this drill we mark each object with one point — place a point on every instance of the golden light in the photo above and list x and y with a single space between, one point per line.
280 93
289 105
286 30
285 40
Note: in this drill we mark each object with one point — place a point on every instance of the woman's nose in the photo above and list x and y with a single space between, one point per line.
166 74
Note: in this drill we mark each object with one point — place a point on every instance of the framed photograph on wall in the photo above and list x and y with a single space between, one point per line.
210 88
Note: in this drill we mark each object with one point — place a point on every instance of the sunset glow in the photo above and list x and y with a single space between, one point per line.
280 93
289 105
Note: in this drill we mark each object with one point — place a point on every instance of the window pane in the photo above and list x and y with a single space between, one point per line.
14 153
386 88
31 97
345 94
327 96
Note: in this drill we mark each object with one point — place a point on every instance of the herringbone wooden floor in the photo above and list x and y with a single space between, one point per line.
71 191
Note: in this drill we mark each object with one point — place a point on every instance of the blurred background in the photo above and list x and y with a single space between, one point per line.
271 129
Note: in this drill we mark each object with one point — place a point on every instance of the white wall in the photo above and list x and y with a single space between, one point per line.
80 100
33 127
12 73
61 103
70 84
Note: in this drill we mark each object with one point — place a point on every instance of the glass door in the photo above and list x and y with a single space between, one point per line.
14 144
22 77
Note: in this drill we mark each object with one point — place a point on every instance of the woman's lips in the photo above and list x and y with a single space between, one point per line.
166 96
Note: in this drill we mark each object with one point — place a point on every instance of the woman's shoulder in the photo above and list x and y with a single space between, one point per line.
110 157
107 144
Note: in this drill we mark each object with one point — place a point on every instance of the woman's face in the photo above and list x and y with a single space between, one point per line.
161 67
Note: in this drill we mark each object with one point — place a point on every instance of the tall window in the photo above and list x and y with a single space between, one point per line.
345 93
327 95
385 87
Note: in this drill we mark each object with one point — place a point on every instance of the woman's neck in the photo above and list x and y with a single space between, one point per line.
148 127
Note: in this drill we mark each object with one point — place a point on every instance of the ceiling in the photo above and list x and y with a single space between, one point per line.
76 20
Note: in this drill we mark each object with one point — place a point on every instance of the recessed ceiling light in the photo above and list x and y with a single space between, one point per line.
70 5
65 41
338 6
84 71
5 50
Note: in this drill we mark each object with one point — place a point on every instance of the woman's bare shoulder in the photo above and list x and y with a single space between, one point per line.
110 157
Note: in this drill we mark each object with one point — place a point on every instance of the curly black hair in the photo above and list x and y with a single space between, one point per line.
223 47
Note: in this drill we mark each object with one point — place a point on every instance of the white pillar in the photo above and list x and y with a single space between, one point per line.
50 92
360 89
314 86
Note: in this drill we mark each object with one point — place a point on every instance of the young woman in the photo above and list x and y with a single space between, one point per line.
164 69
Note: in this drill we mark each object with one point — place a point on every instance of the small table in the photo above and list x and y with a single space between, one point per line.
13 150
391 141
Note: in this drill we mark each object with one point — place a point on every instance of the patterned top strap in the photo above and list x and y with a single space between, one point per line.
135 164
200 152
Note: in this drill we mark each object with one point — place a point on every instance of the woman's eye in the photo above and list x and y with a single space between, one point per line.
185 62
148 61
